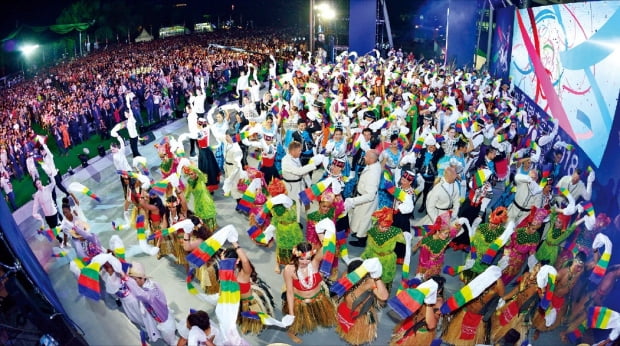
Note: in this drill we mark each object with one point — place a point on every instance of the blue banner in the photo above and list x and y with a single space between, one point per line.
499 65
362 25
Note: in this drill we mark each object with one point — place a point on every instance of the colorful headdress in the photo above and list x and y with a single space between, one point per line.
338 162
499 215
187 169
276 187
442 221
328 196
385 216
300 254
537 215
564 220
409 175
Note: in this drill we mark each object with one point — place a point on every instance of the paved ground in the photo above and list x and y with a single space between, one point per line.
104 324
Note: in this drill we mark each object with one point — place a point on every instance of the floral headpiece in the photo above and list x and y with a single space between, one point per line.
328 196
276 187
300 254
384 216
499 215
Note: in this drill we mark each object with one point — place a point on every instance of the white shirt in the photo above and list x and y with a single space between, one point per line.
131 127
43 199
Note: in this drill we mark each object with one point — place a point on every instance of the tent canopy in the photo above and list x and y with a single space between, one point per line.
144 36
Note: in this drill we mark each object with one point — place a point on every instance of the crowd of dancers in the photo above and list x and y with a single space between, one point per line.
391 155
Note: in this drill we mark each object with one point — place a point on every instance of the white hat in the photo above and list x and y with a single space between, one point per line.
137 270
430 140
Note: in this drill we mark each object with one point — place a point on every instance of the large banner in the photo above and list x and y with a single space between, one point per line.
565 58
502 43
462 31
362 25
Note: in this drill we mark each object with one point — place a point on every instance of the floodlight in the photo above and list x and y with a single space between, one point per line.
28 49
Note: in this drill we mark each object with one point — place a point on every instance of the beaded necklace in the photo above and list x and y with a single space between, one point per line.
525 238
435 245
380 237
488 233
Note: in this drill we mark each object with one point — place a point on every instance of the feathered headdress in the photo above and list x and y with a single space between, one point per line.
276 187
499 215
384 216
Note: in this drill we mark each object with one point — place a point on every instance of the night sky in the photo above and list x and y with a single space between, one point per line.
264 12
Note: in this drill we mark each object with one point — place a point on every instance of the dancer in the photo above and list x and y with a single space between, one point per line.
523 243
433 245
196 192
419 328
206 160
287 230
485 234
161 323
358 309
307 296
255 295
467 328
383 238
562 299
515 306
206 274
43 199
85 243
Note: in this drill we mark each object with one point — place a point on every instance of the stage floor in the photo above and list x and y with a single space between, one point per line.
104 324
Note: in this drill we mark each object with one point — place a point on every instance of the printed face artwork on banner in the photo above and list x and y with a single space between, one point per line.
564 57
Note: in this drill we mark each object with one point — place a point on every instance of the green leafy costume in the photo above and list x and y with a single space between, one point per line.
381 245
288 232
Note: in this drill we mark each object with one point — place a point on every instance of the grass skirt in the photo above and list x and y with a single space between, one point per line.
261 300
179 252
364 329
165 245
422 337
249 325
207 276
452 335
284 256
320 311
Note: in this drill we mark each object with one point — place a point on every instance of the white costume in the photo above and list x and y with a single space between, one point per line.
296 177
365 202
232 169
528 195
442 197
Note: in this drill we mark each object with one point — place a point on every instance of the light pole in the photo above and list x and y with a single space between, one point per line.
311 21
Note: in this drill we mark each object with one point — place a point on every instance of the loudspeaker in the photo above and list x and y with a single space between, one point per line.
101 150
147 138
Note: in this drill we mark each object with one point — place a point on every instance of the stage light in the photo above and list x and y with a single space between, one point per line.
28 49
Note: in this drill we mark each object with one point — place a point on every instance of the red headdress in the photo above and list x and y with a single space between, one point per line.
564 220
442 221
276 187
384 216
537 215
499 216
